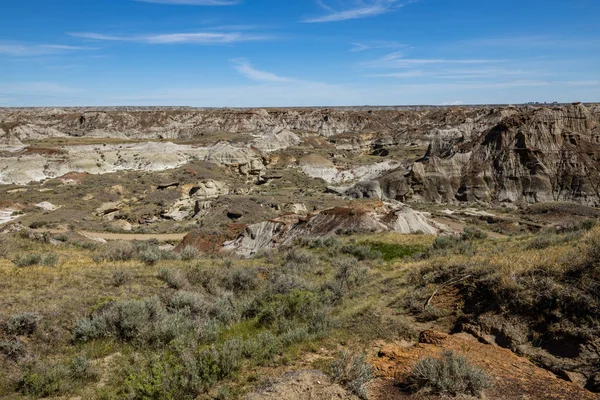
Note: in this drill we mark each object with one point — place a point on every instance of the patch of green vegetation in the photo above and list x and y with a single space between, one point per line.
394 251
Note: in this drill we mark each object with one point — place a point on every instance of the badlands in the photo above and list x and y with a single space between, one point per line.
152 253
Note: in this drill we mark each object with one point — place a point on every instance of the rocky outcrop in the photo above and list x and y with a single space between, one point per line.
195 200
32 166
368 217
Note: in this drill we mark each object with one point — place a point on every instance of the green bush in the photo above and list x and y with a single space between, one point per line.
189 253
117 251
81 368
263 348
193 302
40 380
183 372
175 279
138 321
150 256
350 274
27 260
224 311
297 304
13 349
353 372
362 251
449 374
50 260
23 324
240 280
121 277
473 234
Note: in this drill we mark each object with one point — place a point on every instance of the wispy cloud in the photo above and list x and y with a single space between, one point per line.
362 9
464 73
357 47
26 50
398 60
195 2
542 41
175 38
244 67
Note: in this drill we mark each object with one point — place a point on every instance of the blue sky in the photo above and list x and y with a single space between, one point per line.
253 53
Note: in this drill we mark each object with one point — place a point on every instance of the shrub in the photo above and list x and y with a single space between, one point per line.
223 310
444 242
183 372
293 336
297 304
81 369
117 251
150 256
321 322
208 332
27 260
193 302
285 283
449 374
139 321
13 349
349 273
40 380
229 359
473 234
121 277
545 240
362 251
23 324
353 372
62 238
240 280
50 260
173 278
263 348
189 253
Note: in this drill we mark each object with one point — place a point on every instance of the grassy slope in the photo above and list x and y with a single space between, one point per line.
378 300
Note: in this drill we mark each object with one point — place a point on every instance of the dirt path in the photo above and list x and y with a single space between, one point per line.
163 237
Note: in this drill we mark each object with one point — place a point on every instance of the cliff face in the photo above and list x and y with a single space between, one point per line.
545 154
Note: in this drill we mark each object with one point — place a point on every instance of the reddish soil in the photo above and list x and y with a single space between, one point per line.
514 377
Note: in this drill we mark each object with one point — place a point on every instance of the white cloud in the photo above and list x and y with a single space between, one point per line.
24 49
463 73
175 38
356 47
405 74
245 68
364 9
397 60
453 103
195 2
